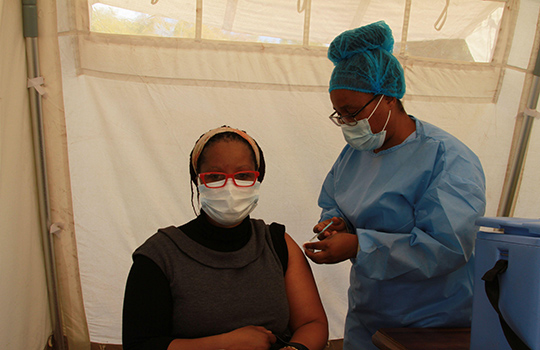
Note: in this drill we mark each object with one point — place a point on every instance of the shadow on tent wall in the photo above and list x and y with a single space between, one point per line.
336 344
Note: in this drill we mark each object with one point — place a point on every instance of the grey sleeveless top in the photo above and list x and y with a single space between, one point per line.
216 292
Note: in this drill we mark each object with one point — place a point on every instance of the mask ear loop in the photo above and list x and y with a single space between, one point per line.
374 109
387 119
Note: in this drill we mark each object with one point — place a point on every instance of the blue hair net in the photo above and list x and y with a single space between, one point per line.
364 62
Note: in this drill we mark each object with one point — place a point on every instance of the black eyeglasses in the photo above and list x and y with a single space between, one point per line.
348 119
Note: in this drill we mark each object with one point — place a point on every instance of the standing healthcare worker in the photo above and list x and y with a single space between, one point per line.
403 197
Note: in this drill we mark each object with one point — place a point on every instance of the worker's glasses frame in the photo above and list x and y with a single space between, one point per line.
245 178
350 119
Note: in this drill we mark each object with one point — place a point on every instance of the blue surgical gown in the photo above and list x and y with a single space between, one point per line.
413 208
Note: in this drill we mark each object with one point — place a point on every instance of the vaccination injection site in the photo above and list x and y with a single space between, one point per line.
269 175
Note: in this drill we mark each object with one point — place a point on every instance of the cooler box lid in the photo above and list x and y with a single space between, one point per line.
512 226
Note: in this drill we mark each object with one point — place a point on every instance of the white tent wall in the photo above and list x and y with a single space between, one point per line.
527 206
25 321
59 184
527 203
135 106
143 155
123 116
23 289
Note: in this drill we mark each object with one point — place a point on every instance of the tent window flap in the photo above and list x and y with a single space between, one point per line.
464 30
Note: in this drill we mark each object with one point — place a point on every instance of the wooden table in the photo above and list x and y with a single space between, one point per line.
422 338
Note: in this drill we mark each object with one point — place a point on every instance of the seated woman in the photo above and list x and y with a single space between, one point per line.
223 280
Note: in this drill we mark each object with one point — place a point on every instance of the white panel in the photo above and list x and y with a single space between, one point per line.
528 203
525 34
205 62
474 83
279 67
129 146
486 128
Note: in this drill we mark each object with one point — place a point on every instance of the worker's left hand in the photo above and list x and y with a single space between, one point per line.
338 247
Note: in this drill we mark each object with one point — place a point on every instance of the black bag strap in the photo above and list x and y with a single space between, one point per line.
491 279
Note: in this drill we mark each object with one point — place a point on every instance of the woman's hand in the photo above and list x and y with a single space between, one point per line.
338 225
245 338
250 337
337 247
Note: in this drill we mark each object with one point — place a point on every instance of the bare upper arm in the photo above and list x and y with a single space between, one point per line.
304 300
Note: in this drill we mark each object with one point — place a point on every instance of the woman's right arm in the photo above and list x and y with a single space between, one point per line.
245 338
147 317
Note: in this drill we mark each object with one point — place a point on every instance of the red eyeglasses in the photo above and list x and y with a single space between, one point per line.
240 178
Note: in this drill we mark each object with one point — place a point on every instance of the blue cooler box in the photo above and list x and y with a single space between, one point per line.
518 285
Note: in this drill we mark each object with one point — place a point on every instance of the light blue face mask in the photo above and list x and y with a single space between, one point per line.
360 136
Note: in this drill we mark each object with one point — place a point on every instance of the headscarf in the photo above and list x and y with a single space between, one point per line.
364 62
203 140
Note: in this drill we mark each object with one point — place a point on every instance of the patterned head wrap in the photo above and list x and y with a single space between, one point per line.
203 140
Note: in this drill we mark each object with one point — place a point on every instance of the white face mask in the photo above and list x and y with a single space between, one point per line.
360 136
230 204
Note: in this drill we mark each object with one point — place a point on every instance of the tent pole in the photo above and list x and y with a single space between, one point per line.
509 195
30 32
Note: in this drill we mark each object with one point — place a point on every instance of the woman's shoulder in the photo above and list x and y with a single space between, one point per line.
276 233
274 229
432 133
446 144
160 245
156 240
454 156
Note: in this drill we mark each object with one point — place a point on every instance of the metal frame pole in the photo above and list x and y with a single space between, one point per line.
509 195
32 56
